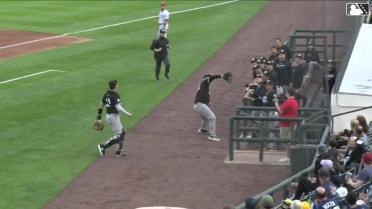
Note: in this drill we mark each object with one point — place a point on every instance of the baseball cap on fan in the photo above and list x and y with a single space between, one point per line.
367 158
163 3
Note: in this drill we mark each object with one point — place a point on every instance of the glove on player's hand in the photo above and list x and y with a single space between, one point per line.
227 77
98 125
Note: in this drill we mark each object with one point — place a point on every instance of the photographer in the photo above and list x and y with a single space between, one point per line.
288 109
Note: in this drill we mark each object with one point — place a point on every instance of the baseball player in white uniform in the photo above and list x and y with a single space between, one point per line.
163 19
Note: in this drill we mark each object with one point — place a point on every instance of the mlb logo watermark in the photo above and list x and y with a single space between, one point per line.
357 9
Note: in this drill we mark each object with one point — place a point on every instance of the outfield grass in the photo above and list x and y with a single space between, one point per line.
45 127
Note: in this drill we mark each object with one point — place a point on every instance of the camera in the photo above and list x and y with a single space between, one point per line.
345 132
281 98
348 175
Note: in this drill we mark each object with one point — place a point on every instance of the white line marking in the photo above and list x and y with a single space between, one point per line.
33 41
30 75
116 24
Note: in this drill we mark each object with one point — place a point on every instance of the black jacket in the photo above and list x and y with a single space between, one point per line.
164 44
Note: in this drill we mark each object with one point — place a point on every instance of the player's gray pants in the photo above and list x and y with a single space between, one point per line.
115 123
208 117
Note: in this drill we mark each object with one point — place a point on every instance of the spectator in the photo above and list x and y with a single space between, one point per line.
324 179
352 199
343 137
356 151
364 175
326 163
271 73
261 89
362 136
332 150
298 74
269 98
267 202
250 203
346 150
287 110
331 77
296 204
261 62
303 187
353 153
269 101
257 71
322 201
341 190
280 46
283 69
363 122
322 154
305 205
274 54
311 57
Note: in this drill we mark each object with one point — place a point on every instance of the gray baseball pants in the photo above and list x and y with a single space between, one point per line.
117 128
208 118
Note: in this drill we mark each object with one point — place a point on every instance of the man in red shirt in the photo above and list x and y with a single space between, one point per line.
287 110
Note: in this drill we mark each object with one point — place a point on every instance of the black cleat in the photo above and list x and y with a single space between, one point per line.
120 153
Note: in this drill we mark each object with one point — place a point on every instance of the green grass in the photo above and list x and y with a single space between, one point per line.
45 127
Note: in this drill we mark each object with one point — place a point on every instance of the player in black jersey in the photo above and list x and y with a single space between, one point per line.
201 103
111 100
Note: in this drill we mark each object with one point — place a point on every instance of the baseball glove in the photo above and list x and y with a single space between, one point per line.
227 77
98 125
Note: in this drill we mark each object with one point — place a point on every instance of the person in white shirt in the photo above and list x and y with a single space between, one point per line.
163 19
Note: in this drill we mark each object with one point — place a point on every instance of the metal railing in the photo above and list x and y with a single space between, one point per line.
283 186
240 124
329 41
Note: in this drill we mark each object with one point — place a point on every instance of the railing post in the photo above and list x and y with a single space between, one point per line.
262 136
231 140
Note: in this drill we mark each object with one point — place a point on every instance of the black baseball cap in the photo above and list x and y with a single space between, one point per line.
253 60
162 31
270 82
282 51
269 63
299 56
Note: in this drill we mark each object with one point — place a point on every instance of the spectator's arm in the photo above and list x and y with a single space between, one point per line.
277 106
356 184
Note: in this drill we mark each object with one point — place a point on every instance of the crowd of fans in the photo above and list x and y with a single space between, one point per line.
283 69
272 76
341 178
343 168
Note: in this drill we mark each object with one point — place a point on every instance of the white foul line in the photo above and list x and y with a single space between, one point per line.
33 41
30 75
116 24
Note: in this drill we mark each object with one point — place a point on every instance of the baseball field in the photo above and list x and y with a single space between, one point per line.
49 97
